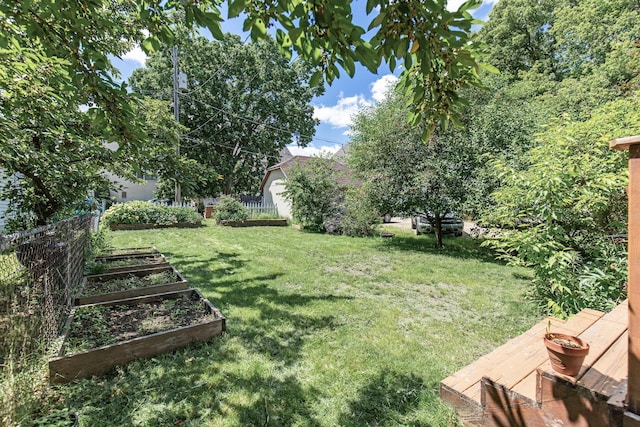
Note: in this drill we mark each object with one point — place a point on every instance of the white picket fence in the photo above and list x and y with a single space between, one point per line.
258 208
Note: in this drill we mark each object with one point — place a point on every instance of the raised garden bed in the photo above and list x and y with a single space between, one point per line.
255 223
118 252
133 283
99 337
125 264
119 226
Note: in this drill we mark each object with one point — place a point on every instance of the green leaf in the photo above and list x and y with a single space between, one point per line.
316 78
371 4
378 20
236 7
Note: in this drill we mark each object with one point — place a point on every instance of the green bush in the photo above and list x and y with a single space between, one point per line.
564 208
138 212
361 217
230 209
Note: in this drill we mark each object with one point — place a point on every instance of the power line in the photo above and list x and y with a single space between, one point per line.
257 122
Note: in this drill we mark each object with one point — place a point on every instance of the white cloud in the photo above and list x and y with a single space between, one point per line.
312 150
380 87
137 55
340 114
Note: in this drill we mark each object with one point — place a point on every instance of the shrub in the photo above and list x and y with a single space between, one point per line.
361 217
230 209
564 208
138 212
314 193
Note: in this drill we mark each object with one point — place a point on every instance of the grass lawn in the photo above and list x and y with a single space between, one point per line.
321 331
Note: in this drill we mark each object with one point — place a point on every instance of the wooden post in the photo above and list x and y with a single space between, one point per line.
633 290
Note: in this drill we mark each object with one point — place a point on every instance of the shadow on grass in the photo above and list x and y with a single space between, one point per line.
454 247
387 399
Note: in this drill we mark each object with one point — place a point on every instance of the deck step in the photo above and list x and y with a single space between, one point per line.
464 389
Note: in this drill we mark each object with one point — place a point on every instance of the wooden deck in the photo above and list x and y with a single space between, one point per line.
515 385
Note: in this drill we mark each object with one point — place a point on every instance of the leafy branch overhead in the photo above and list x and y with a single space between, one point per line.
432 44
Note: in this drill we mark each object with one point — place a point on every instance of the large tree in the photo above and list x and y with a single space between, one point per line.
239 120
66 47
402 173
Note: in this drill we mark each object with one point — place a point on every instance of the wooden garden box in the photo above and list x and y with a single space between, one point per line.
179 284
118 253
66 368
153 260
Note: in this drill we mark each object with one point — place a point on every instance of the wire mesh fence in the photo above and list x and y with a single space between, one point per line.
40 272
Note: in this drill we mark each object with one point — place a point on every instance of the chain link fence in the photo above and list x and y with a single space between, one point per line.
40 272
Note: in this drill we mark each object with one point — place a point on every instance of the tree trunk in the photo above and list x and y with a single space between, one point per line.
437 228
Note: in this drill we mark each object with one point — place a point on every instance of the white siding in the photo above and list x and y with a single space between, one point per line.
273 189
131 190
4 204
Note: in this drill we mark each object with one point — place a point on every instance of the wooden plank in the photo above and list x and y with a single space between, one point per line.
522 362
609 372
468 411
503 408
139 272
473 373
624 143
82 364
132 293
600 337
563 403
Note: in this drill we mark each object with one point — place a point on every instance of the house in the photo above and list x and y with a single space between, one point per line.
127 191
273 183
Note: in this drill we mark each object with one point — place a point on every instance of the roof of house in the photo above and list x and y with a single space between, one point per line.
286 165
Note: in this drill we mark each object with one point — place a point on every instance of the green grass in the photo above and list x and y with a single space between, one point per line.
321 331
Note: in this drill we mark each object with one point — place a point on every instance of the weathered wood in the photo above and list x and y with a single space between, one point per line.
632 144
609 373
132 293
468 410
153 226
67 368
543 397
160 262
255 223
140 272
523 362
473 373
565 403
505 408
624 143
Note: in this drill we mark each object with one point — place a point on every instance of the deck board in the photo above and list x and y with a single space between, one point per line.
471 374
519 366
609 372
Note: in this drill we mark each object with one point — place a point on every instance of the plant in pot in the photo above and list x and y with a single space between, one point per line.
566 352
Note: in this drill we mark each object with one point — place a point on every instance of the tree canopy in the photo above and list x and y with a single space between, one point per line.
57 53
244 104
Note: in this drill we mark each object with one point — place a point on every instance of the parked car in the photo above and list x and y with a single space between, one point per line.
450 224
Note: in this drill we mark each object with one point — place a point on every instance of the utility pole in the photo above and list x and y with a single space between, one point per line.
176 113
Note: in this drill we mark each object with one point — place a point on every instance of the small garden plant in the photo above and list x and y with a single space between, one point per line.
230 209
129 282
100 325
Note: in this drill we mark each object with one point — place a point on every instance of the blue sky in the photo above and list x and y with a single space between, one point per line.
340 101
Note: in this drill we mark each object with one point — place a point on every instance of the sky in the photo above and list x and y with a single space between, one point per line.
340 101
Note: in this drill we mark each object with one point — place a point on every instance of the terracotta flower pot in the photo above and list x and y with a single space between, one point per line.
566 352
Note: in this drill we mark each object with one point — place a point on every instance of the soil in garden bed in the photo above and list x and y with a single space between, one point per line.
123 262
129 282
100 325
